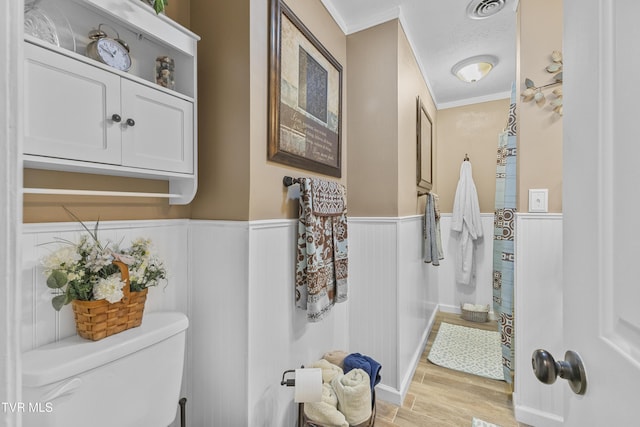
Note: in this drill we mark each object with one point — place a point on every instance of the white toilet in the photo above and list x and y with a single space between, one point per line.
131 379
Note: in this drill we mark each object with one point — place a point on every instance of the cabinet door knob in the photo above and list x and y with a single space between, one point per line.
131 122
116 118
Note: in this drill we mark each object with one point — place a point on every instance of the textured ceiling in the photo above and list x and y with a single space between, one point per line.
441 35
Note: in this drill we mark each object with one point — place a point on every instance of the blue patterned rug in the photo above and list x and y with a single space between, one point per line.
470 350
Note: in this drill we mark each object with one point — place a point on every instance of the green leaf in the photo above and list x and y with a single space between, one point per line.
553 68
559 77
59 301
56 279
158 6
529 83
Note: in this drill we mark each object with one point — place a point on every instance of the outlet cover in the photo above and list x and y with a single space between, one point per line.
538 200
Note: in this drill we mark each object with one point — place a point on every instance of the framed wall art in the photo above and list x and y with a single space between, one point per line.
424 131
305 97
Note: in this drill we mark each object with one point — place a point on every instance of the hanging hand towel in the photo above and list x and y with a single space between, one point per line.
432 243
466 221
321 263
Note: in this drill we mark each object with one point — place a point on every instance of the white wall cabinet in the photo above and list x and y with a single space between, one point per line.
83 116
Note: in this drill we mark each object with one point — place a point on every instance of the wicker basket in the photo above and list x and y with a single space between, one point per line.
475 316
99 319
304 421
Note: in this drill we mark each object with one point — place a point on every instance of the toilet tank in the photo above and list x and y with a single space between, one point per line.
131 379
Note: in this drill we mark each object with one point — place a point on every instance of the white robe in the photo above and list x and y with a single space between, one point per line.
466 221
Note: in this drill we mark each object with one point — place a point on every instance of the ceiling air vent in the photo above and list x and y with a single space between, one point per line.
480 9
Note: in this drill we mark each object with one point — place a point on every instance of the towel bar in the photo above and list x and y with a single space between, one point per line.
289 181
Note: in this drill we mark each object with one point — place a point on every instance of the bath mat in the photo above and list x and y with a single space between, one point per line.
470 350
479 423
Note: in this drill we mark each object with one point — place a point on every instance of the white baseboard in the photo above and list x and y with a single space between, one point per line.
396 397
535 417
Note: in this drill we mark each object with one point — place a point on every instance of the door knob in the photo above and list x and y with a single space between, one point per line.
547 369
131 122
116 118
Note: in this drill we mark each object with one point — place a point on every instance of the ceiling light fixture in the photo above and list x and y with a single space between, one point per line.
472 69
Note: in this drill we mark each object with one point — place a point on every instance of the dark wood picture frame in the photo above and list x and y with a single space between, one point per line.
305 97
424 163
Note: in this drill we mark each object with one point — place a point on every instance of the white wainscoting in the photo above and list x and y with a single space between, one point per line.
41 324
247 331
538 321
480 291
234 279
392 297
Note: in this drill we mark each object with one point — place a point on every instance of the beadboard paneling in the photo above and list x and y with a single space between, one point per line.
392 301
538 322
280 337
373 293
480 291
220 260
416 308
41 324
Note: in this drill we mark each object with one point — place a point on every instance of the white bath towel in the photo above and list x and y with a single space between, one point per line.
354 395
329 370
326 412
466 221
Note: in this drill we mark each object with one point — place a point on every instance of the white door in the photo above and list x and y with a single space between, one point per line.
601 204
158 129
69 108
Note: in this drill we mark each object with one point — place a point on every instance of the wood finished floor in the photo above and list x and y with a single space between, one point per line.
443 397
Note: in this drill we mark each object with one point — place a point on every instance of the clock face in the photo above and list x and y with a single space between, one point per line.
113 54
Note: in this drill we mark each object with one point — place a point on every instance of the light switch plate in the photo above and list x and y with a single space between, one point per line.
538 200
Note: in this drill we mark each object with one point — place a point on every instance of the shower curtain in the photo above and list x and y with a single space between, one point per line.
503 245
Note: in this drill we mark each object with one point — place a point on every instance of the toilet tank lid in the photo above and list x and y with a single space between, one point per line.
74 355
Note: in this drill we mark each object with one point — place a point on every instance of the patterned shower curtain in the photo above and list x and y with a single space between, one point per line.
503 244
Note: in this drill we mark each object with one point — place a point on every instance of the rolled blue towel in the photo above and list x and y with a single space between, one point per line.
367 364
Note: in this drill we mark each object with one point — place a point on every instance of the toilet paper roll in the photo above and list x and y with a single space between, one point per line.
308 385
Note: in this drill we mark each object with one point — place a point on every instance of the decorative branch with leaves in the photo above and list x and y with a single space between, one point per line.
535 93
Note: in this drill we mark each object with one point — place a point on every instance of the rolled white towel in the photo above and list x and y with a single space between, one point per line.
326 412
329 370
354 395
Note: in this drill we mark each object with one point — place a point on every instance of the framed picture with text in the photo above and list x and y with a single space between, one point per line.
305 97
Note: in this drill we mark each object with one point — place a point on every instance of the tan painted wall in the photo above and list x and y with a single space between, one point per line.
473 130
236 180
384 81
38 208
410 85
223 109
539 129
373 112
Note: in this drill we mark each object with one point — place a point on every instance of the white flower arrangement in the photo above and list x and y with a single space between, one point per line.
85 270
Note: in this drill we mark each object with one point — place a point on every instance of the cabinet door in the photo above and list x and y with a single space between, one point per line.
68 108
161 134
